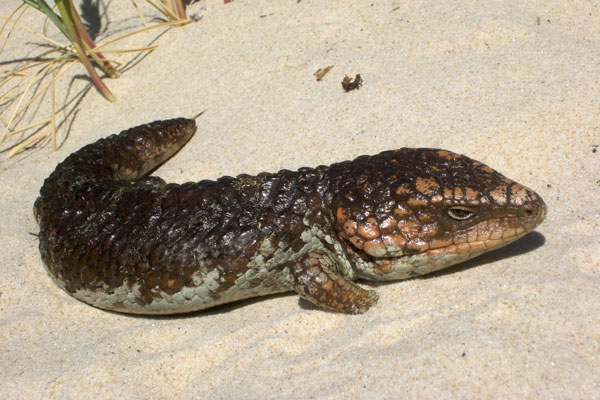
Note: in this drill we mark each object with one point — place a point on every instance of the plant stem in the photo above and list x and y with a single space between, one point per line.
67 12
90 45
177 6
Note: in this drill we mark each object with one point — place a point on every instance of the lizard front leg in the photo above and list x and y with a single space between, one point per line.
314 278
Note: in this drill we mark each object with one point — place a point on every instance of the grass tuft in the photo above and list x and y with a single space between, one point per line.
31 82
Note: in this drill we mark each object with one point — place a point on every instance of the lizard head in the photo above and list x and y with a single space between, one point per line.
408 212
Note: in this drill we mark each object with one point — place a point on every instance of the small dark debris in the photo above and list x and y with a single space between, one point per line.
321 72
548 185
348 84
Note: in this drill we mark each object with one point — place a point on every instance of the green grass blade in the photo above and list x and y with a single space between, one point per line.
43 7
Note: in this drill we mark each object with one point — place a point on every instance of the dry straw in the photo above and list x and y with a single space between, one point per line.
32 80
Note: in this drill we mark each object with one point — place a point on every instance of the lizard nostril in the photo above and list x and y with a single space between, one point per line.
532 213
528 212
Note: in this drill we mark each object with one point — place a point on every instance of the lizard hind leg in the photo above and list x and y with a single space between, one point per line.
314 278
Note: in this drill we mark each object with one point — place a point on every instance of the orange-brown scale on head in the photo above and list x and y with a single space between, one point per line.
427 185
350 228
342 215
369 230
388 225
447 155
404 190
498 195
401 211
428 204
409 228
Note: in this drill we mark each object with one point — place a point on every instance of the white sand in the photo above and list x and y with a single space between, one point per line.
479 78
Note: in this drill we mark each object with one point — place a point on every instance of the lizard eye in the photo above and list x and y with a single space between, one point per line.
460 213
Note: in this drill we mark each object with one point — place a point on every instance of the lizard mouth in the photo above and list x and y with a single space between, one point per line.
461 246
414 265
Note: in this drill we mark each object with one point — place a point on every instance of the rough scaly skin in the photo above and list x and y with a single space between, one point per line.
119 240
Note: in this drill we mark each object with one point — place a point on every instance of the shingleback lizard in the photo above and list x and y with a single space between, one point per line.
115 238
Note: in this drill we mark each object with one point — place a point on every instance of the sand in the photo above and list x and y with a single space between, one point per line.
515 85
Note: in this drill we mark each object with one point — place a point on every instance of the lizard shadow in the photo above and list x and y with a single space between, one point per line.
528 243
